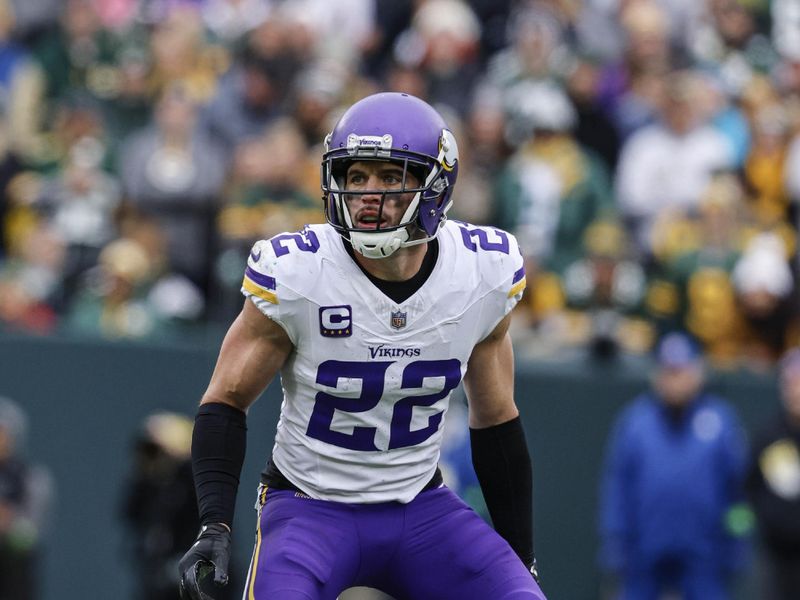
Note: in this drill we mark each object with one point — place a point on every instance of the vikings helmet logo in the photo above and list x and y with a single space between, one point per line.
448 150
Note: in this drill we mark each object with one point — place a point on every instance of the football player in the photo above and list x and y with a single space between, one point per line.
372 320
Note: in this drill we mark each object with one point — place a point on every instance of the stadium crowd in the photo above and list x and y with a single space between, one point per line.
645 152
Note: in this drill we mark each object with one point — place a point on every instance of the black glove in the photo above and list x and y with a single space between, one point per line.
204 568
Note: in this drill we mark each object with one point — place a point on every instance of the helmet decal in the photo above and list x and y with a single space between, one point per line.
448 150
382 143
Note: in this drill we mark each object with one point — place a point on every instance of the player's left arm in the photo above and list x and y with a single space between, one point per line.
253 351
489 380
499 449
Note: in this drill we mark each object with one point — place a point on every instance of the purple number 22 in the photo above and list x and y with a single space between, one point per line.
372 376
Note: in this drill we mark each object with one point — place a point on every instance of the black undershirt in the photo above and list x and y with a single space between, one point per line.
400 291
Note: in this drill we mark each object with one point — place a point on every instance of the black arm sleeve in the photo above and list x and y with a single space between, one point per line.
218 447
503 466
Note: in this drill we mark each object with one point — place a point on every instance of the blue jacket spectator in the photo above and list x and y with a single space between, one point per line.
671 485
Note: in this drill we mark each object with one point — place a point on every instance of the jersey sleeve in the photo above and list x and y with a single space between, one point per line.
267 283
507 275
515 286
502 272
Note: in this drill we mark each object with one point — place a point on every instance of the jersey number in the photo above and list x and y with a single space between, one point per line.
305 240
372 376
468 236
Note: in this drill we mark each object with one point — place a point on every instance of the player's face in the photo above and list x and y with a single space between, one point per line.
375 177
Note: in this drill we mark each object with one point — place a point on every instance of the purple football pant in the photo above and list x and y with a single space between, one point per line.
434 547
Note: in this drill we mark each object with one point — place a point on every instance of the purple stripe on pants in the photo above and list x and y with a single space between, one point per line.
433 548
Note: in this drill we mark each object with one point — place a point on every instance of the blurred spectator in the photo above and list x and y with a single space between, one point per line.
270 191
724 278
129 294
251 93
773 486
318 29
667 165
443 44
594 129
765 168
34 19
536 49
792 168
315 96
767 298
229 20
110 301
76 50
407 79
595 307
483 151
81 57
32 282
26 493
552 188
181 55
786 27
695 253
392 17
178 303
159 507
173 172
75 118
630 89
10 167
679 20
21 91
659 536
604 294
80 203
494 16
728 41
118 14
723 111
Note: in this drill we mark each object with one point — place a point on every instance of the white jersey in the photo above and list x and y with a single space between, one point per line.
367 386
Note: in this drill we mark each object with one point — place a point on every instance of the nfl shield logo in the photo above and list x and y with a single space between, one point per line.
398 320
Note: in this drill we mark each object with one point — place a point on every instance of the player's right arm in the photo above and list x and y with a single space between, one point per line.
253 351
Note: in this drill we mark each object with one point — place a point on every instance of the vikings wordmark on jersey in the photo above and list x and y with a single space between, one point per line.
369 382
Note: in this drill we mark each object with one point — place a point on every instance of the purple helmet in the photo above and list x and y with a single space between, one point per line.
405 130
